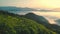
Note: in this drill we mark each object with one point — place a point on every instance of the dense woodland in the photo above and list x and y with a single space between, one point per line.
15 24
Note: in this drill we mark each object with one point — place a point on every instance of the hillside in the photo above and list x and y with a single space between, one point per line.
39 19
12 24
43 21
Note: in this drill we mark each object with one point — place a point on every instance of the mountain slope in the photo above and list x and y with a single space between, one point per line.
39 19
12 24
43 21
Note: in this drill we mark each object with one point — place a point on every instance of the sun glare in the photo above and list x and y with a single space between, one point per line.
51 3
44 3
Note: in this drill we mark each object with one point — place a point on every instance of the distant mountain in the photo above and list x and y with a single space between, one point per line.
56 9
12 8
45 10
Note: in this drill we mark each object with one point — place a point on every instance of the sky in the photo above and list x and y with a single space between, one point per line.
32 3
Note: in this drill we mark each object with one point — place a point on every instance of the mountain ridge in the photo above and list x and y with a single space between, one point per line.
42 20
14 24
12 8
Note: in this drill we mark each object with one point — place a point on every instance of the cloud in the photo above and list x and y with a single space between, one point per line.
50 16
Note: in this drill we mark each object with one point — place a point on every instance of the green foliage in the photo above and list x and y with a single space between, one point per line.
19 25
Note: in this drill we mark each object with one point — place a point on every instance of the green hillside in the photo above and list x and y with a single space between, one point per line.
13 24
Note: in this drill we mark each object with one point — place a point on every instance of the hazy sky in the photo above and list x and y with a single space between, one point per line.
31 3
